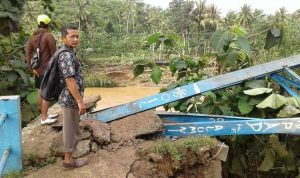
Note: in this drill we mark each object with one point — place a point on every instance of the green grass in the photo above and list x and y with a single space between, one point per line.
113 60
99 81
104 59
13 174
178 148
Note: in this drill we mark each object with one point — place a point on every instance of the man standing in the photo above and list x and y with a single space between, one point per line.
71 97
47 48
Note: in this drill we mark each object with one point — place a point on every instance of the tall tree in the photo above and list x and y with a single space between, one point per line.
211 22
281 14
199 15
245 15
82 13
231 18
212 19
296 15
179 14
155 20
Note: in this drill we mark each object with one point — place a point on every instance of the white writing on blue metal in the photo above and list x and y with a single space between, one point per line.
176 94
220 127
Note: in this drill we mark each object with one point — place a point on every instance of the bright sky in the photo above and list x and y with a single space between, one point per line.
268 6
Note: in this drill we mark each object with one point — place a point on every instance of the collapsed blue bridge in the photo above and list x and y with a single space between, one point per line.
175 124
179 124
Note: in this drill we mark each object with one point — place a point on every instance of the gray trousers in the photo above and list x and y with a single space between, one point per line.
70 128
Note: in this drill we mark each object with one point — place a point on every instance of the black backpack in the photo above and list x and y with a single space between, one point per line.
50 86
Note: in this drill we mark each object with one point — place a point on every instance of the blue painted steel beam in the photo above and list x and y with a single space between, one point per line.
177 117
292 73
213 83
286 80
234 127
282 82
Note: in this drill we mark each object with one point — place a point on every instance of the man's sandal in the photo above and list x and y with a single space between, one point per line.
75 164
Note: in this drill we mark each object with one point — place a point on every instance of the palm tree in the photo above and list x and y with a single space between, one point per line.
296 15
211 22
281 15
199 15
130 15
212 19
81 13
259 23
231 18
258 15
245 16
155 20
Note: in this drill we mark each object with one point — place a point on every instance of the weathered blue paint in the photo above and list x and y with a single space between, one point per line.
213 83
292 73
3 116
169 117
236 126
3 160
10 132
283 82
287 81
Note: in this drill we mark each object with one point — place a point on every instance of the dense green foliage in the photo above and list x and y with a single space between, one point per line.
196 42
121 27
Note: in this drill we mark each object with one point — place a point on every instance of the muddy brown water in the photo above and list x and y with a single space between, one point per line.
120 95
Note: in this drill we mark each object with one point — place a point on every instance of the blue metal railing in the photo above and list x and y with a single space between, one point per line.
10 134
214 83
4 159
179 124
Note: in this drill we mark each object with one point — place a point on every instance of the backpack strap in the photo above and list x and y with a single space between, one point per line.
41 35
63 49
38 46
54 58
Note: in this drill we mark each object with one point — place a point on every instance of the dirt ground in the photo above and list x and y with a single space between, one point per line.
101 164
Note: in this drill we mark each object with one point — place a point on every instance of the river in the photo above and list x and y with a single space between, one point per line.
120 95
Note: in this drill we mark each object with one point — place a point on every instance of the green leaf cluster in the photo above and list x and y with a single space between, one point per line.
232 48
